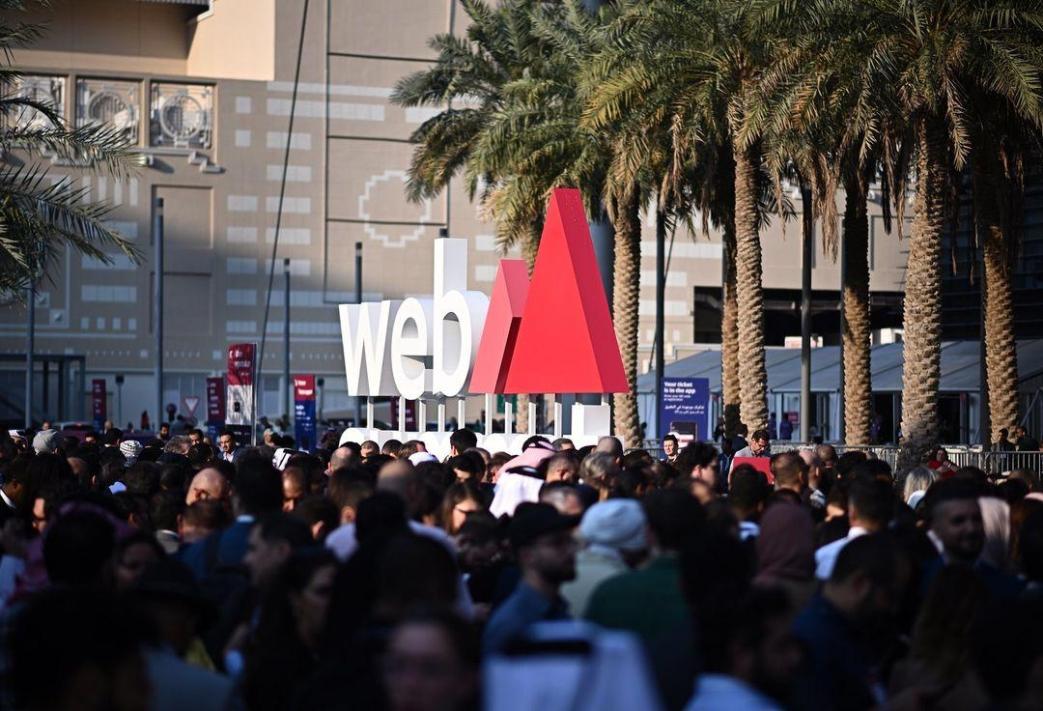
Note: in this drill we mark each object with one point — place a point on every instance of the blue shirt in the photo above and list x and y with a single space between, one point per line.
524 607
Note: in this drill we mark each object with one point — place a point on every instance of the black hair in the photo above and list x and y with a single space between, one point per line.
760 434
696 454
671 437
284 528
142 479
348 486
77 547
874 499
748 488
464 439
258 486
674 516
317 509
876 555
61 631
470 462
380 516
164 509
945 490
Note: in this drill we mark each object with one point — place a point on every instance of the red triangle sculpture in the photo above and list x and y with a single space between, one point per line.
566 343
502 321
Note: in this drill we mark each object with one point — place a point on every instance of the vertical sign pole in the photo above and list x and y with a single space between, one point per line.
508 416
369 413
461 412
532 417
490 403
287 380
401 416
421 415
30 346
441 413
558 413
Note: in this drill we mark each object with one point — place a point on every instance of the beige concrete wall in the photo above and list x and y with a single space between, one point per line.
108 35
235 39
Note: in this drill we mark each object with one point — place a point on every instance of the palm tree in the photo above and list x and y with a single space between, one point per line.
522 64
821 123
38 219
998 188
922 60
693 64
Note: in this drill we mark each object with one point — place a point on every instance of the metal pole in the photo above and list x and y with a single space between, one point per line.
157 236
30 346
842 421
358 300
806 236
660 322
287 384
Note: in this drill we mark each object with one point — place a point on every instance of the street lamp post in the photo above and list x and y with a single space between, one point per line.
30 346
119 399
157 236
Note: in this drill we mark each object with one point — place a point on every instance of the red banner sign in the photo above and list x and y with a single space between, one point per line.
215 399
98 402
241 358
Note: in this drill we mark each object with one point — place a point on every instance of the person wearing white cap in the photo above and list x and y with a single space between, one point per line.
131 450
613 534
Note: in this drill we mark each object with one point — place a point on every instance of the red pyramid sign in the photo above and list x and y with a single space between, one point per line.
566 343
502 321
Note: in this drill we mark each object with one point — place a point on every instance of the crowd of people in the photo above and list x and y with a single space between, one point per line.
189 574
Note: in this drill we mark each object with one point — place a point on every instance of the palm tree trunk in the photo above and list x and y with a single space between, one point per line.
1001 358
857 325
921 373
625 300
730 385
753 376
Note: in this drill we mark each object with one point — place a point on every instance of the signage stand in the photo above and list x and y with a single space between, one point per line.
508 417
532 416
401 417
461 412
421 415
370 420
558 414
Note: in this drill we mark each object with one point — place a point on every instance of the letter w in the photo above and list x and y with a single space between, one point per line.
364 330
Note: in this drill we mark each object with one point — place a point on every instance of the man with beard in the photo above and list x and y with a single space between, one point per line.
546 552
956 529
850 624
758 659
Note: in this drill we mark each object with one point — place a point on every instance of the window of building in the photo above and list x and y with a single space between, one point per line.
181 115
109 102
44 89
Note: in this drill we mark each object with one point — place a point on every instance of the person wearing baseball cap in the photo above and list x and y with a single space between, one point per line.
543 542
613 534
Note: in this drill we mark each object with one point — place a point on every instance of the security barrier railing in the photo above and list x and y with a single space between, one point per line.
995 464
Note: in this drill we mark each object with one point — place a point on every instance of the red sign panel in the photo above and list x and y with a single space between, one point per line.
241 358
215 399
98 401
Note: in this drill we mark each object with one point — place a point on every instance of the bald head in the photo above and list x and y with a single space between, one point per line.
611 445
340 458
208 484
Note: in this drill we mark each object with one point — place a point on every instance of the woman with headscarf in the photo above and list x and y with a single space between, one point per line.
786 552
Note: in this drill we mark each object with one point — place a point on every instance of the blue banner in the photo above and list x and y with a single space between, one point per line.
685 409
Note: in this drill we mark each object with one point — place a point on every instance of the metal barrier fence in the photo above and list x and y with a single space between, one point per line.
995 464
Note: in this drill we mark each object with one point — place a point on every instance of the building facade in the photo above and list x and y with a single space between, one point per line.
204 88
